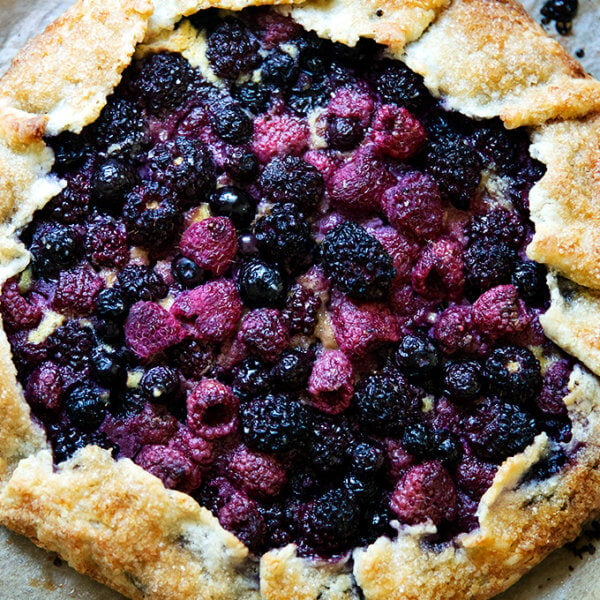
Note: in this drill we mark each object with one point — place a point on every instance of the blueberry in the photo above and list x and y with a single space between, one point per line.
187 272
231 123
235 203
417 355
111 304
160 384
111 181
247 244
107 367
251 378
261 284
462 380
85 407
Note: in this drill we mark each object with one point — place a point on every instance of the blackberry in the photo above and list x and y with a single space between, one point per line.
284 236
55 248
111 304
261 284
499 225
327 442
398 84
366 458
71 345
549 465
240 163
164 81
250 379
497 430
111 181
456 169
428 444
231 123
184 166
192 357
70 151
530 279
187 272
107 367
309 93
356 262
85 407
279 69
376 522
254 97
291 179
384 405
488 264
462 380
140 282
234 203
274 424
362 489
66 441
513 373
292 370
301 310
160 384
417 355
344 133
232 50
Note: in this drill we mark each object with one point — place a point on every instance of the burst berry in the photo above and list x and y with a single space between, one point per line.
555 388
192 358
279 69
261 284
212 410
344 133
455 331
331 383
432 444
76 291
251 378
111 304
85 407
462 380
140 282
45 387
259 475
301 310
160 384
240 164
475 476
70 151
211 244
417 356
264 333
254 97
291 179
234 203
395 132
356 262
107 367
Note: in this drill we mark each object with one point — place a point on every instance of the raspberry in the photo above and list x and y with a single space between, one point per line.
261 284
212 410
497 224
497 430
164 81
513 373
45 387
215 308
241 516
232 50
414 206
331 382
276 29
395 132
488 264
439 272
183 166
76 291
352 103
192 358
106 243
358 185
150 329
455 332
264 333
325 161
398 458
301 310
410 309
356 262
425 492
402 250
292 179
171 466
26 355
199 450
259 475
396 83
279 135
17 311
462 380
359 329
499 312
140 282
54 248
417 356
555 388
211 244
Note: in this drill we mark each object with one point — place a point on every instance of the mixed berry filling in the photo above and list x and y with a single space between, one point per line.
287 282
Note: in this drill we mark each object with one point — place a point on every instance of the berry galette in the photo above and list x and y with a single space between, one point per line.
299 302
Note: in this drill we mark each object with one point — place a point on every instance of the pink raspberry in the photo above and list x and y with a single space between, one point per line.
325 161
106 243
352 103
76 291
199 450
425 492
500 312
212 410
551 400
215 306
241 516
275 28
399 459
259 475
279 135
410 308
175 470
331 382
396 132
439 272
150 329
414 206
45 387
265 333
17 312
359 328
358 185
403 251
455 332
211 244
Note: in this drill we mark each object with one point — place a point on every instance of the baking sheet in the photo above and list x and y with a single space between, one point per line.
27 573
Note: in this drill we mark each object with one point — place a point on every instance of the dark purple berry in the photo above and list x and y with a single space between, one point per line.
192 357
562 11
499 225
398 84
548 466
327 442
261 284
247 245
417 356
530 279
111 181
251 379
234 203
55 248
240 163
231 123
160 384
107 367
301 310
187 272
71 344
429 444
462 380
292 370
279 69
232 50
253 97
85 407
111 304
488 264
366 458
344 133
70 152
140 282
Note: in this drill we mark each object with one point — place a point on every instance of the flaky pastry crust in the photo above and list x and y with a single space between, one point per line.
117 523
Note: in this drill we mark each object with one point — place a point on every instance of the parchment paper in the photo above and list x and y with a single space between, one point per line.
28 573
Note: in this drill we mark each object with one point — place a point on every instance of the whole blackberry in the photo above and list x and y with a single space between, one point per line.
261 284
497 430
292 370
356 262
428 444
65 442
462 380
70 151
184 166
234 203
499 225
417 355
366 458
398 84
279 69
232 50
254 97
327 443
231 123
384 404
54 249
111 304
164 81
488 264
291 179
456 169
308 93
274 424
160 384
530 279
71 345
140 282
250 379
85 407
240 163
107 367
284 236
187 272
301 310
111 181
513 373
